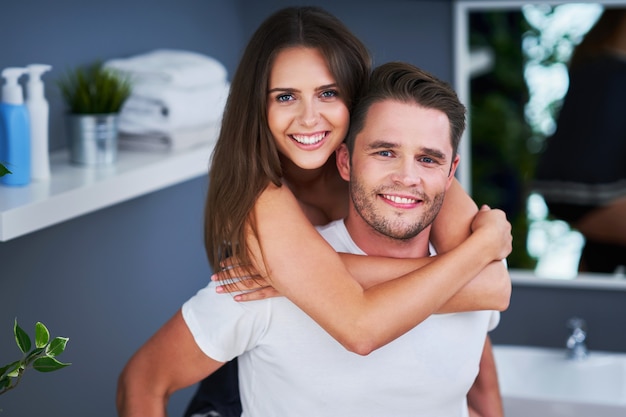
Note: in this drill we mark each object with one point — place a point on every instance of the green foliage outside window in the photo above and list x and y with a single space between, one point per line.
502 164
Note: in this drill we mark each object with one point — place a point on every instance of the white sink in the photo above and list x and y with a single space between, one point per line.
543 382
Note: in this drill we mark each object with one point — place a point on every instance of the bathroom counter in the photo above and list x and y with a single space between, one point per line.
76 190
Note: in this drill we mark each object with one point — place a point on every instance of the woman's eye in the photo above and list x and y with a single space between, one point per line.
284 97
330 93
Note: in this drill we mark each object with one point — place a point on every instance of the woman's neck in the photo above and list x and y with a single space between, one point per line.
301 179
322 193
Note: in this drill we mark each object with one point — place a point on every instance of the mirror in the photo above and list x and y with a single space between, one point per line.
511 71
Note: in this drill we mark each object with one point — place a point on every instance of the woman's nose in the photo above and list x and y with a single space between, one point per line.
309 114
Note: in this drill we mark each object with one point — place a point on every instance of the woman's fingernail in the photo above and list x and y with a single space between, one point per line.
237 298
219 289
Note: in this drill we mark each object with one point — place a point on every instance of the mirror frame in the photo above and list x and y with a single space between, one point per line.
460 24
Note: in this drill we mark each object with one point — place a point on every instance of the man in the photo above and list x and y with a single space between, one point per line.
399 155
400 158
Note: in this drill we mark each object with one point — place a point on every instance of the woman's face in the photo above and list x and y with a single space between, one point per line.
305 111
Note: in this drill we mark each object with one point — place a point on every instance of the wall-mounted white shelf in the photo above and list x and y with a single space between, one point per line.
76 190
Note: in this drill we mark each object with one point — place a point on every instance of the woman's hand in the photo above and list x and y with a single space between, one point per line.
236 278
492 223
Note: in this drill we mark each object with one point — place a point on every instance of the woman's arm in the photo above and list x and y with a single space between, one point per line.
303 267
452 224
489 290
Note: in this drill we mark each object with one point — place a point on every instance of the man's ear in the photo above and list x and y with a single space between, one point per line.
453 168
343 161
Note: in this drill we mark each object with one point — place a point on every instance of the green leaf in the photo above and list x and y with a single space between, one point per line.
4 369
94 89
5 382
57 346
33 354
10 369
14 369
3 170
21 338
48 364
42 335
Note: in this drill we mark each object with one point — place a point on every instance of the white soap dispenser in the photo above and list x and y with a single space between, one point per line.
39 111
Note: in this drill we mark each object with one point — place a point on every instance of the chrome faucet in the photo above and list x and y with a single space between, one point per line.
576 347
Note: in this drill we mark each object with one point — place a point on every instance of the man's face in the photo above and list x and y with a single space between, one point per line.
400 168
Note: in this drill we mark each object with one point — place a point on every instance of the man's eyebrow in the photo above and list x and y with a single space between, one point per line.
385 144
434 152
382 144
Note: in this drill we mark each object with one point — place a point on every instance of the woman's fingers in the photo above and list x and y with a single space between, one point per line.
260 294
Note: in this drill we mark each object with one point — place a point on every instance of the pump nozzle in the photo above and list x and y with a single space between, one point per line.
34 87
11 90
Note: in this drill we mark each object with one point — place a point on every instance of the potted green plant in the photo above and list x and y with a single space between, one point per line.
94 96
41 356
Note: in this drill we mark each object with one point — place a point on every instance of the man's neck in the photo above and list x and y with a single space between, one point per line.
374 243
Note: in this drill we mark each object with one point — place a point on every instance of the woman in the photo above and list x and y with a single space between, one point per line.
273 174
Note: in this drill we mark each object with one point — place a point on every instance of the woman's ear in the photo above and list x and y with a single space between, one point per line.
343 161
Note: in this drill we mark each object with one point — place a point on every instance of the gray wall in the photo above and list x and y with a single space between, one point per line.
109 279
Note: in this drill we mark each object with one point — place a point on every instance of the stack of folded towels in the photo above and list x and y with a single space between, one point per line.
177 99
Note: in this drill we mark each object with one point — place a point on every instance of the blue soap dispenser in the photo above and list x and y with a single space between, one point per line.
14 130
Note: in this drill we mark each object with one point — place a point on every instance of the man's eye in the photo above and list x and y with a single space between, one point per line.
385 153
427 160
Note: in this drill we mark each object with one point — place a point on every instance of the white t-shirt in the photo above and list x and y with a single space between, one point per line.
290 367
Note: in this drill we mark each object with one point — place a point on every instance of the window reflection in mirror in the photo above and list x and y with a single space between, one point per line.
518 81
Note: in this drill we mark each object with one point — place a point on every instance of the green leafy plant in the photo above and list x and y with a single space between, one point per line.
42 357
94 90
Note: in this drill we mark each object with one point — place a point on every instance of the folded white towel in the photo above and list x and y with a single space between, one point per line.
173 141
170 67
168 109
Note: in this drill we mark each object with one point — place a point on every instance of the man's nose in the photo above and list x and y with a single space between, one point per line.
407 172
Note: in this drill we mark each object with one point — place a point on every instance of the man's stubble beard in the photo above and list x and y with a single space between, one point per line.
397 230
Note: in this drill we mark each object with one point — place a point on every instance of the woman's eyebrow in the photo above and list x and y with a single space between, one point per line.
327 86
281 90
